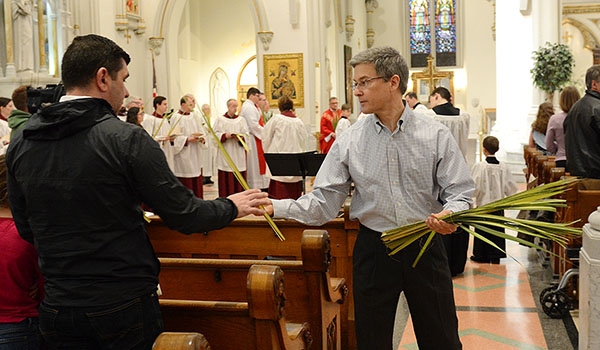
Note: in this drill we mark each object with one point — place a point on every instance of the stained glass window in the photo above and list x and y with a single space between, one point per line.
442 13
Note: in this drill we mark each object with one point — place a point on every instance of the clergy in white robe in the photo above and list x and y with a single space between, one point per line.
231 131
493 181
189 143
158 127
257 166
284 133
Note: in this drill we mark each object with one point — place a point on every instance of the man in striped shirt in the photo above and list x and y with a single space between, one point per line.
405 168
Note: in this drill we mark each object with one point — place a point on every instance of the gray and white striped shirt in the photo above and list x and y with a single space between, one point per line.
399 177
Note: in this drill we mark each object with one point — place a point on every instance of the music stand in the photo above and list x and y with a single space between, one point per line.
295 164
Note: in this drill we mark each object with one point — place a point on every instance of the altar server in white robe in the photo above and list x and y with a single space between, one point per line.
284 133
493 181
232 131
189 144
257 166
157 126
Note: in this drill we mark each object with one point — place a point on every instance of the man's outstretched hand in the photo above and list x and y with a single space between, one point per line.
248 202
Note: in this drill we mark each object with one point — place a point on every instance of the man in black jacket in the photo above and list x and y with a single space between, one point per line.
582 129
77 176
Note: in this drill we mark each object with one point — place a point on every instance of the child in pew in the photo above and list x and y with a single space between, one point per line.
493 181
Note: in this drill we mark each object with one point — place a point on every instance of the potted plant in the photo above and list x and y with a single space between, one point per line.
553 67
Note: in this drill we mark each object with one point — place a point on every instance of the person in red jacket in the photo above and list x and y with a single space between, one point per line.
22 283
329 121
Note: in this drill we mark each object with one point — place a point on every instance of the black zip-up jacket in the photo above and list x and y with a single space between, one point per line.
76 177
582 136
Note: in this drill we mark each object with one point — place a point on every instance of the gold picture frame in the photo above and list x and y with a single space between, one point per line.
284 75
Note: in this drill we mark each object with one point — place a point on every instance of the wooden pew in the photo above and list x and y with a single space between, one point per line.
256 324
251 238
312 294
582 199
180 341
530 154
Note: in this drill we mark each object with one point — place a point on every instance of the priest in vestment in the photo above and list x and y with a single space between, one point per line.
231 131
328 123
284 133
256 164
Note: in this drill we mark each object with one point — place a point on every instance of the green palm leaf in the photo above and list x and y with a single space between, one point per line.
538 198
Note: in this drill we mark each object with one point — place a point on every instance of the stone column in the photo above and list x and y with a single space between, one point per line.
8 31
371 5
589 284
520 31
41 36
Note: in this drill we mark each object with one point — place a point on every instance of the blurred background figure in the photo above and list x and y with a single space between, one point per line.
537 137
555 132
285 134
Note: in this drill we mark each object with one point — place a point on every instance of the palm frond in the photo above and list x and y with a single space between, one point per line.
483 218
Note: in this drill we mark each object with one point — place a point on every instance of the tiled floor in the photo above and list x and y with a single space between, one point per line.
497 305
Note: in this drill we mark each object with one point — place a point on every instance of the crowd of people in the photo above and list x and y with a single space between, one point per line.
81 272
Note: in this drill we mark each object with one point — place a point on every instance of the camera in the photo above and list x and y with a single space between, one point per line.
40 97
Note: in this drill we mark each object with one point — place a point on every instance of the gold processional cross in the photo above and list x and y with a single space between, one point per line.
431 76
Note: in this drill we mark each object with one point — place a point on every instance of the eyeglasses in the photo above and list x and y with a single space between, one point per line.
363 84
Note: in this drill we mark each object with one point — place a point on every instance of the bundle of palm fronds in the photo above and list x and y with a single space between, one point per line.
482 218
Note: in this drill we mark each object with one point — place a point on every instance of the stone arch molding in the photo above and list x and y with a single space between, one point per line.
589 38
165 33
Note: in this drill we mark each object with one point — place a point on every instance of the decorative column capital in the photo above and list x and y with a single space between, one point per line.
156 43
265 37
371 5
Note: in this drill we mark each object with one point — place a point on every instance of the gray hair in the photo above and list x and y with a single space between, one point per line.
388 62
592 74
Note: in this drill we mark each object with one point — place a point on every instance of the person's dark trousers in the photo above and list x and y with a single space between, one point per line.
21 335
131 325
457 245
482 251
379 279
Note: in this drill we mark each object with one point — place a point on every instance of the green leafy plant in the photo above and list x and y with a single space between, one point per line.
553 67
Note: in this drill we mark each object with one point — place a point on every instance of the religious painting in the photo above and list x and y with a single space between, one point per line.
132 8
284 75
348 73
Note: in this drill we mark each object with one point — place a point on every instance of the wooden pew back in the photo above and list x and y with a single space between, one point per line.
257 324
251 238
312 294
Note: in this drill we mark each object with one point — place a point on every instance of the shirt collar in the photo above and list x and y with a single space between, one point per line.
400 126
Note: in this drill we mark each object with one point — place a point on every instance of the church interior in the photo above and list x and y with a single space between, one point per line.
480 50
